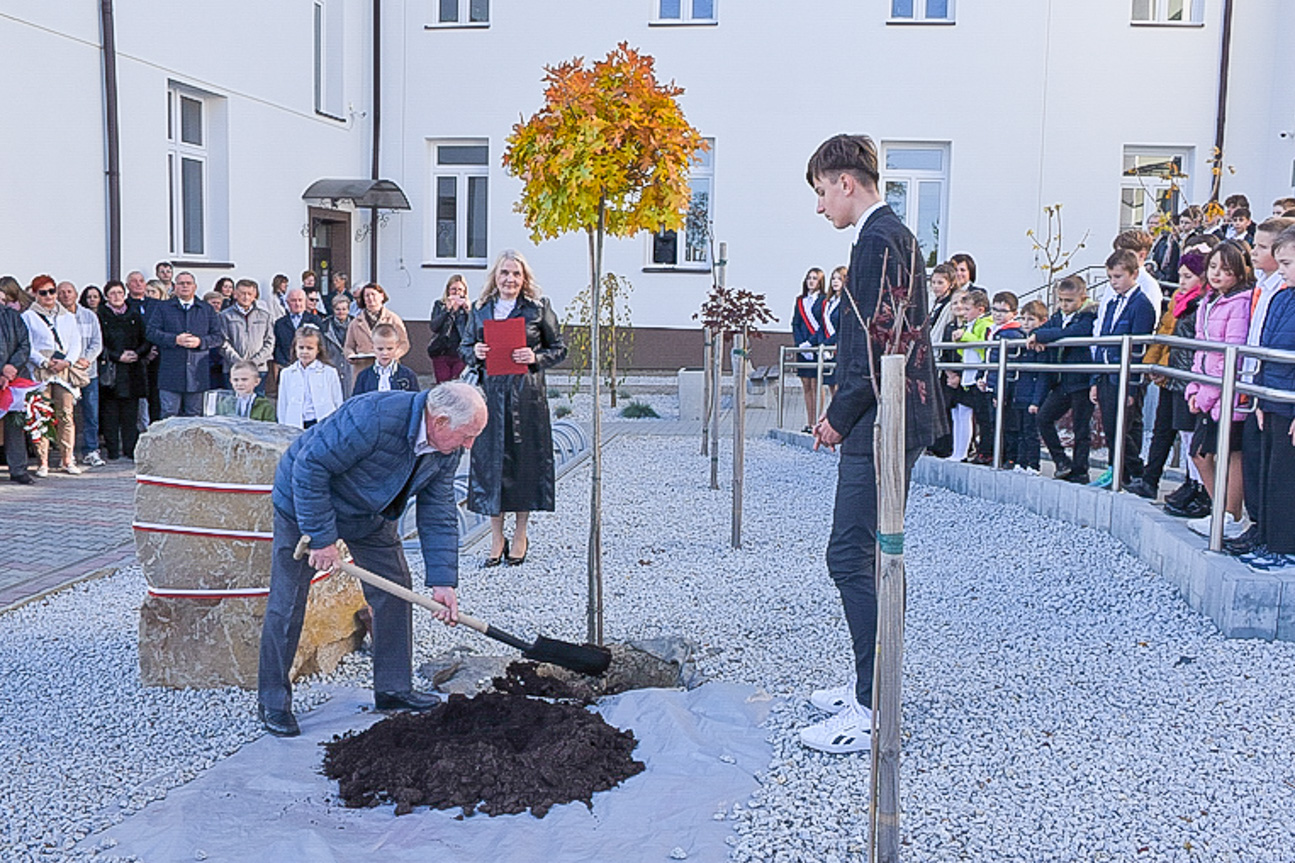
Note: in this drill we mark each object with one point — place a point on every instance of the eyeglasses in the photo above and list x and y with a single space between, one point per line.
48 293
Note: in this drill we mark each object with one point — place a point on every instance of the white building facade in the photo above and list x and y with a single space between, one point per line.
985 113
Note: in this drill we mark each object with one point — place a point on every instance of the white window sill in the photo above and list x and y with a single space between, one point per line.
925 22
1171 24
455 25
684 22
455 265
695 269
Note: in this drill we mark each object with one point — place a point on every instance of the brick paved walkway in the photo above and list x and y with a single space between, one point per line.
78 526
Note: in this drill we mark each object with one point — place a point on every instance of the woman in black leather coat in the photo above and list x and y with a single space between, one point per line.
512 459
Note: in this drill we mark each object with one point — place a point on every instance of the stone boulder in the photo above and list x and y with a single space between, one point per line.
203 522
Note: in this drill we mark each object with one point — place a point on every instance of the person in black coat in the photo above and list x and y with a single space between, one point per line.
185 329
885 262
123 378
1074 319
512 460
15 349
448 322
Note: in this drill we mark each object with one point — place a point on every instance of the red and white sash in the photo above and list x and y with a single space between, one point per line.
828 308
805 306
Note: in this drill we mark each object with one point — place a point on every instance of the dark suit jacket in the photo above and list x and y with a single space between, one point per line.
184 370
401 379
283 333
884 254
1137 318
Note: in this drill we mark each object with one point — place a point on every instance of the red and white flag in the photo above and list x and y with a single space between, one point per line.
14 396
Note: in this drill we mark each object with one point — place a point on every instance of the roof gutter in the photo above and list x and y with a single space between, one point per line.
1220 127
112 134
377 134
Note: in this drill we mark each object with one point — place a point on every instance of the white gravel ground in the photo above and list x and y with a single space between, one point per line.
1061 703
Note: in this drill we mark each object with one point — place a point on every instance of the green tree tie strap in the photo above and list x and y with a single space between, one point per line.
891 543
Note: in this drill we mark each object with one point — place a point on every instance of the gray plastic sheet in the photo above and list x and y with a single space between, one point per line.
270 802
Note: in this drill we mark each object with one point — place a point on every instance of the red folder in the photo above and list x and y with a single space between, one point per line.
504 337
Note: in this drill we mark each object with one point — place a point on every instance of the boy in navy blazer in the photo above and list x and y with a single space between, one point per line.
1129 312
386 373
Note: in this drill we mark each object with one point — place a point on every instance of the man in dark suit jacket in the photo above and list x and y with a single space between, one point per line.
886 258
286 327
1128 312
185 330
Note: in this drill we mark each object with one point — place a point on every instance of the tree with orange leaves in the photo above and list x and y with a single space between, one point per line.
608 153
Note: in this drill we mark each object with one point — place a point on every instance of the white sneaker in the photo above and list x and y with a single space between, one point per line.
72 468
834 699
42 471
848 731
1231 527
93 459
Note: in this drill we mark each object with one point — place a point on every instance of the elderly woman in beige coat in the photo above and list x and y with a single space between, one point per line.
359 335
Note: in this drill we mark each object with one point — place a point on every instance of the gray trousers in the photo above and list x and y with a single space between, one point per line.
375 545
852 557
180 404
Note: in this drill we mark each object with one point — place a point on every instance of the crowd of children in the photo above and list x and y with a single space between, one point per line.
1225 284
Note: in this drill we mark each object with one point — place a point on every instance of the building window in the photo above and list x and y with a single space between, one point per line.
905 11
462 13
460 196
1153 180
1168 11
691 249
197 171
915 182
328 58
685 12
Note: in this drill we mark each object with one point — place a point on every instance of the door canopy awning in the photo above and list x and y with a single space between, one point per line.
384 194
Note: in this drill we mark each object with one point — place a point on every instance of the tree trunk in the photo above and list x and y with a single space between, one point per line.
595 556
888 442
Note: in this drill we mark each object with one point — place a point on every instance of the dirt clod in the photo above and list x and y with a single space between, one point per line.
495 753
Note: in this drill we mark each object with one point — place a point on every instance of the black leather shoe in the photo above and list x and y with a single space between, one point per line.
410 700
280 723
495 561
518 561
23 479
1182 494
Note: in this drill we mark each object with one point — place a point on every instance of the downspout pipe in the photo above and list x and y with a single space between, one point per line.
1220 126
112 135
377 134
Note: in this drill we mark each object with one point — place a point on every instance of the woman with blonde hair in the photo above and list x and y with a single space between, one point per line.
448 321
512 459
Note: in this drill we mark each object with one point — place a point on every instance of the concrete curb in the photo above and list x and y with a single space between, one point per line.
1241 602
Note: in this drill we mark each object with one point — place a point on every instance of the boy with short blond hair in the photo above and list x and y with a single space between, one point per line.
386 373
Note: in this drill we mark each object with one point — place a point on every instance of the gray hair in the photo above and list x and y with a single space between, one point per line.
456 400
292 291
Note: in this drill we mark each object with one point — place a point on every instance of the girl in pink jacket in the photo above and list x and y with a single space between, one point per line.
1222 316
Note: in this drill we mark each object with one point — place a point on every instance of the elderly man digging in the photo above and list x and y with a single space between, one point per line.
349 477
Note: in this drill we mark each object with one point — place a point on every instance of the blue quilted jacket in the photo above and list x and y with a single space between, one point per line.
339 476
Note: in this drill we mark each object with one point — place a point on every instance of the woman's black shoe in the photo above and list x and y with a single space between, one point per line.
518 561
495 561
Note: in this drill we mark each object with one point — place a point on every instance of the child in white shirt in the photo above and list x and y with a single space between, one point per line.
309 389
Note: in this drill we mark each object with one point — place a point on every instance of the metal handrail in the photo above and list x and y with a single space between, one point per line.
1229 385
820 363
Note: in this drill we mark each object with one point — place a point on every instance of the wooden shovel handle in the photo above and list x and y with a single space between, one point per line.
303 547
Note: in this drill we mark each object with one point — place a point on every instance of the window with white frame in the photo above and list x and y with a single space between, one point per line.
685 11
939 11
689 249
186 162
1153 179
460 195
915 184
462 13
1168 11
328 57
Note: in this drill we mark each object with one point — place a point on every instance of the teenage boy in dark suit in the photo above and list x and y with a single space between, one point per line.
843 173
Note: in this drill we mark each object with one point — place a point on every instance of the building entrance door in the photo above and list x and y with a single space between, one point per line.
330 245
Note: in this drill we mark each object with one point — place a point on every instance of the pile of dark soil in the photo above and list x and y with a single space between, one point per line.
499 754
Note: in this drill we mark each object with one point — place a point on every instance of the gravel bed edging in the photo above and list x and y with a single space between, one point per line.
1241 602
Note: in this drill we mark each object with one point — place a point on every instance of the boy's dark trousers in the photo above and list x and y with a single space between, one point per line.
1108 398
1277 469
982 410
1055 406
1027 437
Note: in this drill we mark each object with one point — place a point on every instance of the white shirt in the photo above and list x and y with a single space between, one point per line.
1151 290
244 404
422 446
1268 287
863 218
384 376
504 308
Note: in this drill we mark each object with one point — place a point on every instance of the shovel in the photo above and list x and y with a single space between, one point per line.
578 658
